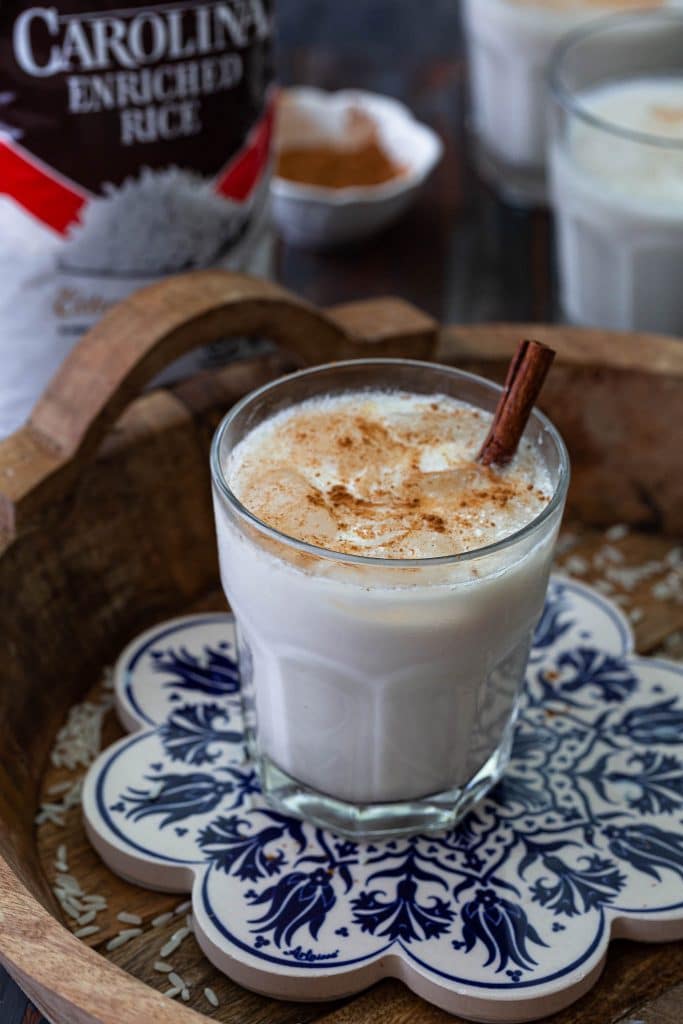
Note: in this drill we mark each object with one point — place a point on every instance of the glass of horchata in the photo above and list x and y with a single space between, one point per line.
385 587
616 161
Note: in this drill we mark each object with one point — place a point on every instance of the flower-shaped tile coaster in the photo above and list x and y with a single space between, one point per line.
506 918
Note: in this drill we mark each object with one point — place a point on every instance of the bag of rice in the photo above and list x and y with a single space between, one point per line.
134 143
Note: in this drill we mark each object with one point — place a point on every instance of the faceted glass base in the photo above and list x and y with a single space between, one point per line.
436 813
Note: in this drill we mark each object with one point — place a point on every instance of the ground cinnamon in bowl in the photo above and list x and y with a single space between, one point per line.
360 161
349 164
335 167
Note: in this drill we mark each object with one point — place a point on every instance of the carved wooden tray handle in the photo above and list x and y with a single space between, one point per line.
154 327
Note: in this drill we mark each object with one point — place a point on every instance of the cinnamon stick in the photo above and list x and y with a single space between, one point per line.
525 378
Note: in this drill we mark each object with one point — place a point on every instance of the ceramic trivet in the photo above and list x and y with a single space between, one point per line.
506 918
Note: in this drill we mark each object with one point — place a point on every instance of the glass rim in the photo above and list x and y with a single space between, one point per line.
218 476
568 99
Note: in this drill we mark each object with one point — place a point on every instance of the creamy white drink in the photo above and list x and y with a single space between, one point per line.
385 667
510 43
617 186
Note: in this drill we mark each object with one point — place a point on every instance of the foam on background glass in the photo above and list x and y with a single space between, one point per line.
616 160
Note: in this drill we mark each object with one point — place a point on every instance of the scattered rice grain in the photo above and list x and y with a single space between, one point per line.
78 910
54 812
183 907
175 979
72 911
60 787
670 588
636 615
67 896
617 532
127 918
672 647
185 995
211 997
51 814
169 947
174 942
674 557
172 992
95 900
83 933
122 938
162 967
162 919
69 884
81 907
67 899
79 740
576 565
613 554
631 576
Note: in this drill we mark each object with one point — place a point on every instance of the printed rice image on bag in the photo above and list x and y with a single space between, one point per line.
134 143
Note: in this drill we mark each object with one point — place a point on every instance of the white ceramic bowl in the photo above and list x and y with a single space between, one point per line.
316 217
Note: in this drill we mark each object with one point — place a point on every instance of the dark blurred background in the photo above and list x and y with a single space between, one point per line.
390 27
459 253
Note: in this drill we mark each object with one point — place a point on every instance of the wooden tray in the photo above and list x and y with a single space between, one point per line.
106 528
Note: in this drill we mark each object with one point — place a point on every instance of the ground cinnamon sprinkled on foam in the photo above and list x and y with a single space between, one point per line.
385 474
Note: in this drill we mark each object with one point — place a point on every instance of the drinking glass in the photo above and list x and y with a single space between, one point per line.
380 694
617 193
509 46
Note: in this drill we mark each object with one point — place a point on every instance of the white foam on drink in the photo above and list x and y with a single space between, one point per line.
385 474
652 107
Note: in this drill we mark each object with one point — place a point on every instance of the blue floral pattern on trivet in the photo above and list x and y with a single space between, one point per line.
507 917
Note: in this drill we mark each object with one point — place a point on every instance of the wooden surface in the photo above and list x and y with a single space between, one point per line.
129 542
